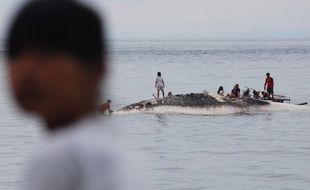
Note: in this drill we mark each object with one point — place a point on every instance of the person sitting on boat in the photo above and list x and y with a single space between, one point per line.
256 94
269 84
160 84
266 95
246 94
236 91
220 91
105 107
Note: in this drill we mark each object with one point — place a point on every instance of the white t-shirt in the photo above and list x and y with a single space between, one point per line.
221 93
85 156
159 82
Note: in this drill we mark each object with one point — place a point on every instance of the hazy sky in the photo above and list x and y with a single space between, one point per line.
197 19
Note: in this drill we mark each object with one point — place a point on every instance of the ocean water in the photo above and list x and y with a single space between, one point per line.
266 149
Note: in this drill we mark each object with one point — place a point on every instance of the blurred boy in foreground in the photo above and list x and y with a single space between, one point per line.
56 59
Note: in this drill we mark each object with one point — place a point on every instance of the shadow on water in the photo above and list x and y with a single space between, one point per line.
161 119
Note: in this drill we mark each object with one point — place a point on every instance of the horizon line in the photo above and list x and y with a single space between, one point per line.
208 39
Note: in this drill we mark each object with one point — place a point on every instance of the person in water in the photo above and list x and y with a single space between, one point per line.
220 91
236 91
56 58
105 107
269 85
160 84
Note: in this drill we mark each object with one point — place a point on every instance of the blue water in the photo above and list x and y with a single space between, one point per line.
264 150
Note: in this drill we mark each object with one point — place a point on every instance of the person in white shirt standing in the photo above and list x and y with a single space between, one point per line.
56 58
160 85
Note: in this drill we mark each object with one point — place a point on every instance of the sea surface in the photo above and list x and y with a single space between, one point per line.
269 149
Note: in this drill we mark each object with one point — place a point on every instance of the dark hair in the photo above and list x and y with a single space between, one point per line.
57 26
109 101
159 74
268 74
220 88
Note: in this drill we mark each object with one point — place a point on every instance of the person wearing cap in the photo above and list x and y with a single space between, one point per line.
56 58
269 85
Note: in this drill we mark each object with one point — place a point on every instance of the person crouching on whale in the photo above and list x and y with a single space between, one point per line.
236 91
160 84
246 94
256 94
220 91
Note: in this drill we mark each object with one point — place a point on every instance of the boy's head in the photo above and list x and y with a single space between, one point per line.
159 74
268 74
56 57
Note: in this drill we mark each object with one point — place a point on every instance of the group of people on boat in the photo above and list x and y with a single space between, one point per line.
268 92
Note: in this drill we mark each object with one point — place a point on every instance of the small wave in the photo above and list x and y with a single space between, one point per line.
223 110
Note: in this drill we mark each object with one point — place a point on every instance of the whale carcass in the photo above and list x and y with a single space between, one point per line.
196 100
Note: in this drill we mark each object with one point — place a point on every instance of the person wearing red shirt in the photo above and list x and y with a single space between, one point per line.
269 84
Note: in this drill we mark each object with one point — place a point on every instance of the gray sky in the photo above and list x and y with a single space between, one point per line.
197 19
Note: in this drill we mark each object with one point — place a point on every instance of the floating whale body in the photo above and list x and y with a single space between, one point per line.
193 100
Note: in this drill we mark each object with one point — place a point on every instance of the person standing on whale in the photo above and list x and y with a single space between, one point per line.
160 84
